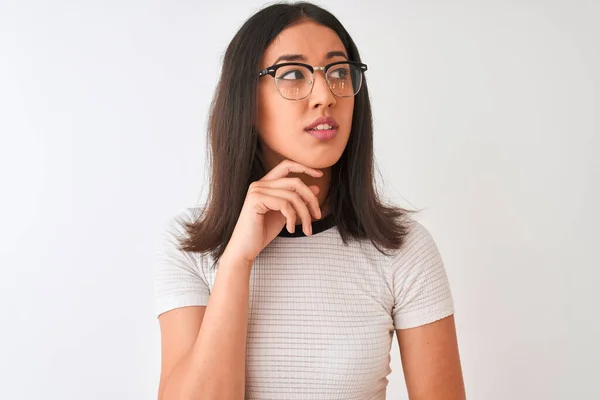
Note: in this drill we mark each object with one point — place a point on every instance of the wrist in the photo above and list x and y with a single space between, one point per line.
230 257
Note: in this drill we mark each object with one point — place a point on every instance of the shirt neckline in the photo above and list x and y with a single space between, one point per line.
318 226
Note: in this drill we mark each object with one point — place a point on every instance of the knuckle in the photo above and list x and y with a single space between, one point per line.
252 196
283 164
304 210
254 185
299 200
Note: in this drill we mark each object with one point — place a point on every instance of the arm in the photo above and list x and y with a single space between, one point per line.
431 362
424 320
203 348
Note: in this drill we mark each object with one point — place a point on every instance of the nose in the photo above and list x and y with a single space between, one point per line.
321 94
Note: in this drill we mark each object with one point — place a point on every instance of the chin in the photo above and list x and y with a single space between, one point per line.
319 162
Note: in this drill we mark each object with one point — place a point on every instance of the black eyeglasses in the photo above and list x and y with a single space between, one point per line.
295 81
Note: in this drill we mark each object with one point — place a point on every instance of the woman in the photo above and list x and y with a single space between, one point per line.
291 281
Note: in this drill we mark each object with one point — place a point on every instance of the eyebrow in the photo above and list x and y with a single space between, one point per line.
302 57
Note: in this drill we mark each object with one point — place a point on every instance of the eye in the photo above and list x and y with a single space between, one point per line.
339 73
292 74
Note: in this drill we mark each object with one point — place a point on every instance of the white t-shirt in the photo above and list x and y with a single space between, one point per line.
321 314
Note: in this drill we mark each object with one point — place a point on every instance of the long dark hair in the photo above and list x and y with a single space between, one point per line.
234 150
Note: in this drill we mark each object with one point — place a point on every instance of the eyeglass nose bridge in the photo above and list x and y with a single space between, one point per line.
312 81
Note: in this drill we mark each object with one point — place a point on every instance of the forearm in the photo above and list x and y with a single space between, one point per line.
214 368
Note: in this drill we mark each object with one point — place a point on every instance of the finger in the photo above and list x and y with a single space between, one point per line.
286 167
263 203
295 199
307 193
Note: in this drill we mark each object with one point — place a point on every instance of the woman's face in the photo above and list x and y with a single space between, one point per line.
282 123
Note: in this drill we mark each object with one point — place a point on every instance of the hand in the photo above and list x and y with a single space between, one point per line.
272 203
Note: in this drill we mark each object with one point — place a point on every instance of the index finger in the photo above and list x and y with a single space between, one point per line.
286 167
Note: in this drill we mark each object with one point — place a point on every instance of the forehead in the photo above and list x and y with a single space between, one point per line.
308 38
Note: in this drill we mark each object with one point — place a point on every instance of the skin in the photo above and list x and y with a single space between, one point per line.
431 362
281 122
429 353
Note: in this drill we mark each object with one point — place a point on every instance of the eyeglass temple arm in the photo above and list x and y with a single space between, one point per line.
267 71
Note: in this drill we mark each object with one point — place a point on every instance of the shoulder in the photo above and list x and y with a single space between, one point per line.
179 276
418 235
174 231
420 283
419 246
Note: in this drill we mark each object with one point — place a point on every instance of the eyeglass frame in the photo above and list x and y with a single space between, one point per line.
273 69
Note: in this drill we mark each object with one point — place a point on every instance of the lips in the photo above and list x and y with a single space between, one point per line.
323 128
322 121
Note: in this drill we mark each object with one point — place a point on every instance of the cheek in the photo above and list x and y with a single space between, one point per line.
268 117
346 111
276 116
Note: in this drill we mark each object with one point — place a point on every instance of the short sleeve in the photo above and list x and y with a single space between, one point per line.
421 288
178 281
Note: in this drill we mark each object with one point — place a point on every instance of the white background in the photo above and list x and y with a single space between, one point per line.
486 116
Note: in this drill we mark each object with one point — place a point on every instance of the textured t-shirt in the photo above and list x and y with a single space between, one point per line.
321 314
